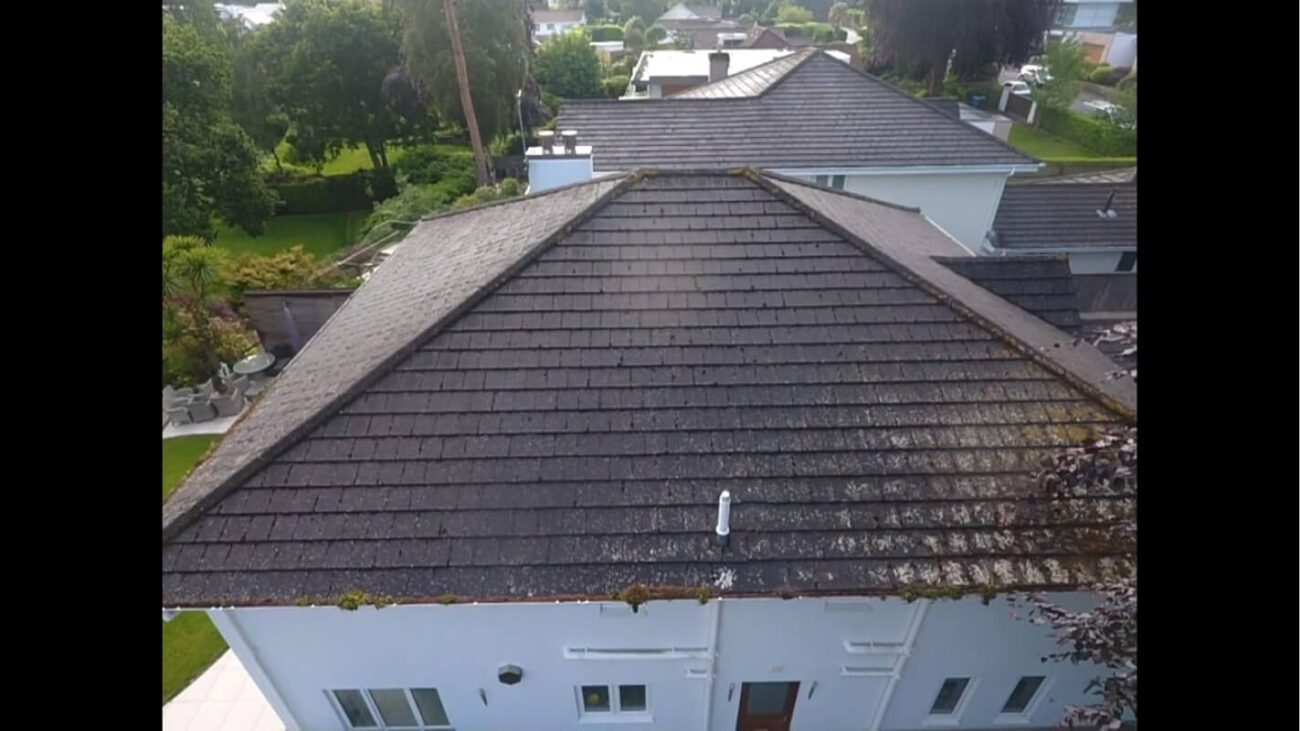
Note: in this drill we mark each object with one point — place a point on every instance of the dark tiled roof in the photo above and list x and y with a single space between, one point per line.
946 104
822 112
747 83
1041 285
1123 175
568 434
1065 216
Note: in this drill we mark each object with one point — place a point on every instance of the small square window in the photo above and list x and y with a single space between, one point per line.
355 709
595 699
837 182
1023 693
631 698
950 694
823 180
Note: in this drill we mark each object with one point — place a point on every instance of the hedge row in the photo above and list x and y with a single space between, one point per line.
605 32
1095 135
334 193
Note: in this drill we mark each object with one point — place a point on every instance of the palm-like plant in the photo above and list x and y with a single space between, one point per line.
191 280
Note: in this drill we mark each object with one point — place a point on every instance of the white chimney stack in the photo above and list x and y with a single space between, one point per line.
719 62
551 165
724 518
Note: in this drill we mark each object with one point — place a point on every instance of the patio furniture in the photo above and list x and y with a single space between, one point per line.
201 410
177 415
256 387
254 364
205 389
228 404
238 383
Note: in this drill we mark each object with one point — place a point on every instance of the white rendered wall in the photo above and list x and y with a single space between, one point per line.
548 172
963 205
303 652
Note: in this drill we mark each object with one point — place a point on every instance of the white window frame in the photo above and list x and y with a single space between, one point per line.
615 714
954 718
373 707
1023 718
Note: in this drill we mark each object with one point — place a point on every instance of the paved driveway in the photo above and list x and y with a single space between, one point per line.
223 698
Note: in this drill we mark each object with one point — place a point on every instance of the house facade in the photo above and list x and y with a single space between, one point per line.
874 140
1105 30
550 23
700 449
1092 219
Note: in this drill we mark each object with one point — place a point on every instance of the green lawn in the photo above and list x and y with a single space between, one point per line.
190 642
1044 146
320 234
349 160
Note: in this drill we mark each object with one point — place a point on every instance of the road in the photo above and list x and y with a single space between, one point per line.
1010 73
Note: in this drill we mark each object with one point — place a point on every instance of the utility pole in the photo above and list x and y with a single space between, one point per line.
466 103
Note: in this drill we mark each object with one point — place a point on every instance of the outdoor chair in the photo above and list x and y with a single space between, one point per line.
255 387
201 411
238 383
205 389
229 403
178 414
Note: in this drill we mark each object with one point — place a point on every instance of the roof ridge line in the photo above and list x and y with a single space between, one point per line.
836 191
519 198
808 54
1038 356
179 521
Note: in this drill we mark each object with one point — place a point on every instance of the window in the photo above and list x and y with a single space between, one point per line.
823 180
1022 694
599 701
1127 261
950 694
414 709
837 182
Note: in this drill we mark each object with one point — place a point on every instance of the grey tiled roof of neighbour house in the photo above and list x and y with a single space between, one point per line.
544 398
820 112
747 83
1064 215
1041 285
1123 175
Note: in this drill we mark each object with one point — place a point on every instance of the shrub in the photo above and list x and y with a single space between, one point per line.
605 32
792 13
1096 135
413 202
293 268
183 363
1106 75
334 193
509 188
616 85
429 165
510 144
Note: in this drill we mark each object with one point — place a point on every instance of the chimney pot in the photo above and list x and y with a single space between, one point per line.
570 138
547 138
719 61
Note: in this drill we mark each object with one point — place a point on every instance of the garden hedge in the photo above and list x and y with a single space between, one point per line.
334 193
1094 134
601 33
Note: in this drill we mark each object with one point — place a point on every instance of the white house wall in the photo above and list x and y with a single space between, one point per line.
302 652
962 205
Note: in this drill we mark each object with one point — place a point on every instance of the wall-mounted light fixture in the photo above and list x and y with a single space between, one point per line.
510 674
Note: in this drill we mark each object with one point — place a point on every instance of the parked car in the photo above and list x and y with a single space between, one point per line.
1109 111
1019 87
1035 74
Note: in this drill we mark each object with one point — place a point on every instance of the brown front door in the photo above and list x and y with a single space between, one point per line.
766 706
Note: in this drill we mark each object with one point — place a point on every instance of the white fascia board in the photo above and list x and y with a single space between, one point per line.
1008 251
910 170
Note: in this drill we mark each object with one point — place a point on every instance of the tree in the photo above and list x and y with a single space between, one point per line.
1066 59
791 13
210 166
326 62
462 86
633 23
634 39
647 10
595 9
191 279
839 15
1106 634
655 35
568 66
251 106
496 42
928 36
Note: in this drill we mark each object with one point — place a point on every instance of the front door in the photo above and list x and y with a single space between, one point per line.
766 706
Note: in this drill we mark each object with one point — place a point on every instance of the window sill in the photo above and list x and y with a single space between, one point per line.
599 718
942 721
1011 719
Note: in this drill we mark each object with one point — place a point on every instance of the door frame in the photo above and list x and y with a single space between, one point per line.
792 695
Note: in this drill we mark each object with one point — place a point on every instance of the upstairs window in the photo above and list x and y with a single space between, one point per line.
1023 694
597 702
949 697
407 709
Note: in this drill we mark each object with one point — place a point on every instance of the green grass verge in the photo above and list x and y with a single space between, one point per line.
320 234
180 455
347 161
190 642
1046 147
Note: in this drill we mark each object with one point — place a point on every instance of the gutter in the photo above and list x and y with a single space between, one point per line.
908 170
913 629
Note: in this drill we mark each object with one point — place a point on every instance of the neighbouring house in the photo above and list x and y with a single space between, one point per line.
609 50
1100 28
764 37
812 116
683 12
550 23
665 72
1094 223
252 16
705 449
